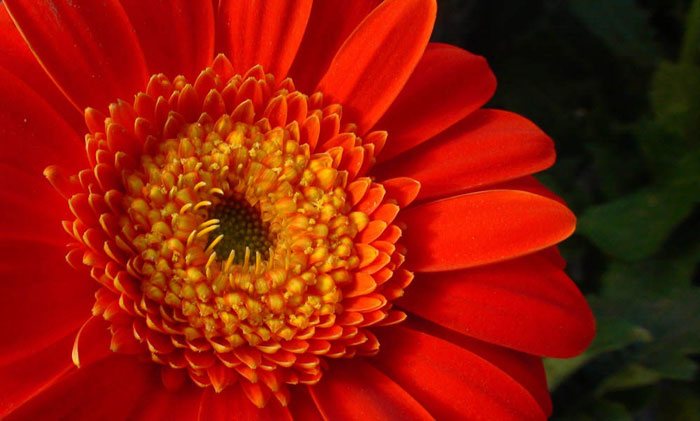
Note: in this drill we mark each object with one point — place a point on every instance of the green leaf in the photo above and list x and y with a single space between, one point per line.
690 53
675 97
674 324
651 278
635 226
661 147
631 376
621 24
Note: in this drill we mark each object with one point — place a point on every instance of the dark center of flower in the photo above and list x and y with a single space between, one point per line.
240 230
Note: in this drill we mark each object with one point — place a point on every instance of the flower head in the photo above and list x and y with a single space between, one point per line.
244 226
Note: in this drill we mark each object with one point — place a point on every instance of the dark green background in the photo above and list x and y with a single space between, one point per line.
616 83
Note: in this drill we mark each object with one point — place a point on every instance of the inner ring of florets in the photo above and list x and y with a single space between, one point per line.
242 232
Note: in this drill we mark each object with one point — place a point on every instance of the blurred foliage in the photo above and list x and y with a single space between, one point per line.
616 83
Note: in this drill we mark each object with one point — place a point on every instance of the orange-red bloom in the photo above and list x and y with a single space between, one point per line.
273 209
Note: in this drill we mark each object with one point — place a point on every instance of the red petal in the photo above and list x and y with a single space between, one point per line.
447 85
402 189
18 59
452 382
22 379
162 404
302 405
354 390
330 23
32 210
92 342
487 147
479 228
88 47
177 36
266 32
526 304
232 404
528 184
42 299
34 135
358 77
523 368
109 389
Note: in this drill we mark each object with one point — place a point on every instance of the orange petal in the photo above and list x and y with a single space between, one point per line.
177 36
479 228
265 32
358 77
354 390
447 379
89 48
526 304
329 25
453 81
18 59
488 147
232 403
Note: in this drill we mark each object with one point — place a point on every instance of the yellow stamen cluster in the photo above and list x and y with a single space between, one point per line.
175 203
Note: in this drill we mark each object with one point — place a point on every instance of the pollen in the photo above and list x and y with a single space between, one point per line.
233 231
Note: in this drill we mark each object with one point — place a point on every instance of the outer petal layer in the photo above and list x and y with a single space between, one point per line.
446 86
330 24
109 389
355 390
488 147
18 59
527 304
377 59
451 382
176 36
525 369
44 302
265 32
479 228
26 377
88 47
232 404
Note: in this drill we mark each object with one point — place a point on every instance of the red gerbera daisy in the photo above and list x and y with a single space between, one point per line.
244 226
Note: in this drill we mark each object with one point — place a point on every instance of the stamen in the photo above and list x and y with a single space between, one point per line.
208 223
213 244
200 186
203 233
229 260
185 208
202 204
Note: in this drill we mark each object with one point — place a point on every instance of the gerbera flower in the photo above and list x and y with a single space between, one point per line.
273 209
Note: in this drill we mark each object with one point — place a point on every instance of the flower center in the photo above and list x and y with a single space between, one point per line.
240 231
233 233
